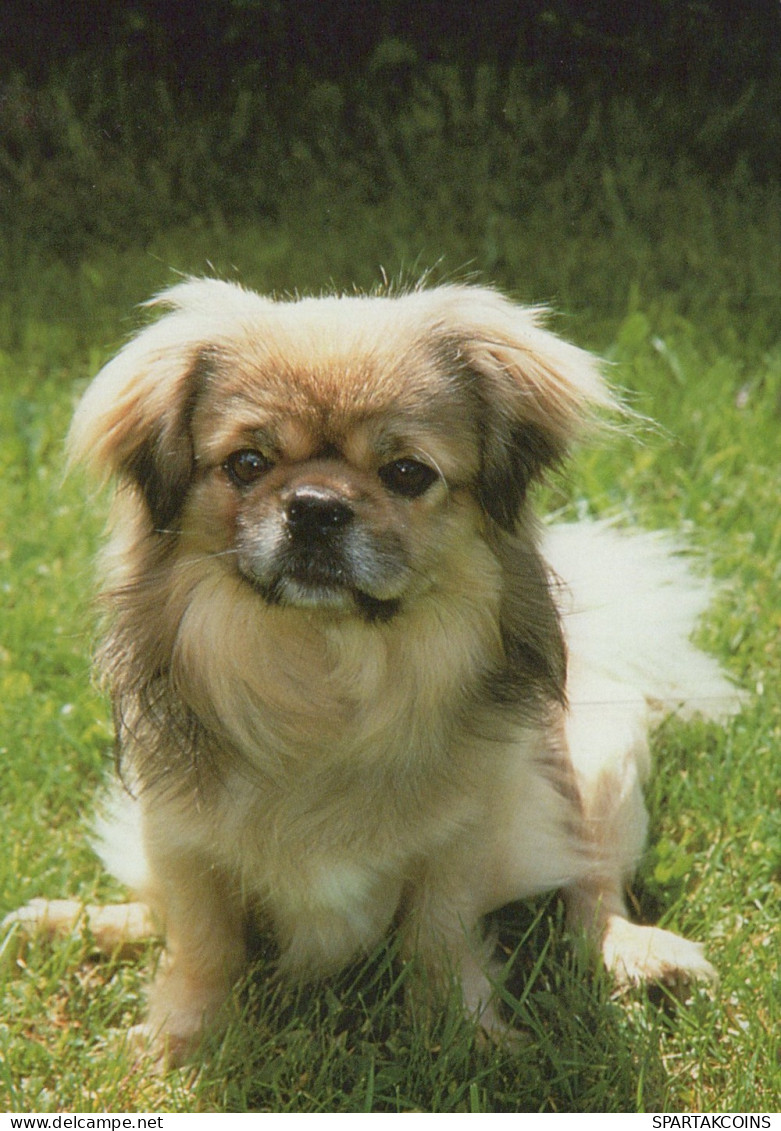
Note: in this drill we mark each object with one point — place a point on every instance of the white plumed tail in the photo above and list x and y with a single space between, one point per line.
630 603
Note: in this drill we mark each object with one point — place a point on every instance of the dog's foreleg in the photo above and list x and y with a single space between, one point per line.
443 941
205 953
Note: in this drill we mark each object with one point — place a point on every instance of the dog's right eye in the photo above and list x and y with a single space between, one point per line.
246 466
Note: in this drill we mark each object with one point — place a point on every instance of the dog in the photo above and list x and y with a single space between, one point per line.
356 684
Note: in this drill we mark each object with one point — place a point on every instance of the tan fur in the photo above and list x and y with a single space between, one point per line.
370 726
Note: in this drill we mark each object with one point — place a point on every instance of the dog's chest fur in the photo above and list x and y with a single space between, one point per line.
332 811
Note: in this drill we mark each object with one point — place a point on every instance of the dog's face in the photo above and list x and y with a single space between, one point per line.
330 475
336 454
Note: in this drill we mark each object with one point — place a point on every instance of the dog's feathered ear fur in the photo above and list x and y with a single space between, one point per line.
134 420
535 392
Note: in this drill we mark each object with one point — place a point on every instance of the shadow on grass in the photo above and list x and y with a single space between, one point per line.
348 1044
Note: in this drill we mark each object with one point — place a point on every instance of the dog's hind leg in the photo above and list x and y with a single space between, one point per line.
634 954
607 736
113 928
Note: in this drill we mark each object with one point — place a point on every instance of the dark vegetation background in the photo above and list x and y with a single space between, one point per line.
119 120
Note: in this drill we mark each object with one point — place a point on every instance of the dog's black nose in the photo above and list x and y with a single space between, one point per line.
315 510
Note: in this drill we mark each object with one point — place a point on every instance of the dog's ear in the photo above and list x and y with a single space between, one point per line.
134 420
534 391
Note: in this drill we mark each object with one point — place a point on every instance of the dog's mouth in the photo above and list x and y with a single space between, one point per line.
312 586
338 568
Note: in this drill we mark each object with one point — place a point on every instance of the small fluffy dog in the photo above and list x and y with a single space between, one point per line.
355 684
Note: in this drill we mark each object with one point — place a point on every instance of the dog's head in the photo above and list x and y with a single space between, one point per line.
338 453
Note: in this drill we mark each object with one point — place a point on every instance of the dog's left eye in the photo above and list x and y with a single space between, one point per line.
246 466
407 477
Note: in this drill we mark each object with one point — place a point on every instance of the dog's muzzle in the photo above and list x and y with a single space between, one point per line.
323 559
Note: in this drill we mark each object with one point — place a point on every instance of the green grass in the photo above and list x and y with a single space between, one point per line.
675 280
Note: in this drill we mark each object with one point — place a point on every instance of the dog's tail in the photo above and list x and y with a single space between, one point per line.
630 602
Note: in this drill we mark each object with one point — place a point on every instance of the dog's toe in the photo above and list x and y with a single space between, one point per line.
160 1050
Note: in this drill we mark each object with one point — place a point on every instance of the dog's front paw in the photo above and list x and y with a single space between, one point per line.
636 954
160 1049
